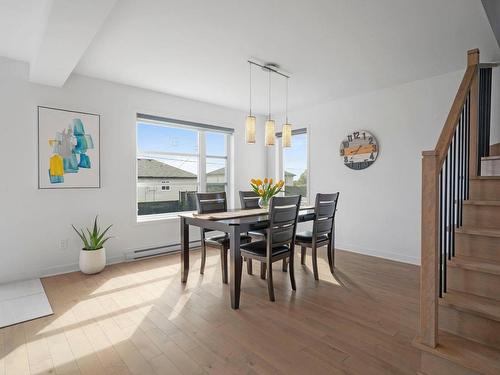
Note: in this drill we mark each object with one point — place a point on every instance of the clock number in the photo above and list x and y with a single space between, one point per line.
345 159
370 140
342 153
356 135
349 138
364 135
345 144
371 156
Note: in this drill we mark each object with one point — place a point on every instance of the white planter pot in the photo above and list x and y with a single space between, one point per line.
92 261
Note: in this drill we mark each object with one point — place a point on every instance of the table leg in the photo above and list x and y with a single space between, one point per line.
184 250
235 266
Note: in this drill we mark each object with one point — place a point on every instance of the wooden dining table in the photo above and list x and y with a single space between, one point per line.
233 222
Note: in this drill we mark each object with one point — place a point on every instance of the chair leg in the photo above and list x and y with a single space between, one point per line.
315 262
270 287
223 262
262 270
331 257
249 266
291 270
303 255
284 267
203 256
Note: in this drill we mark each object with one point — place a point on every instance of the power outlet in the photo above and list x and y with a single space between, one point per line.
63 244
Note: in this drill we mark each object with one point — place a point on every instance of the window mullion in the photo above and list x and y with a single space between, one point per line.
202 164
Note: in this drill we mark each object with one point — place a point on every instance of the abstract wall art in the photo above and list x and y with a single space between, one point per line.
68 149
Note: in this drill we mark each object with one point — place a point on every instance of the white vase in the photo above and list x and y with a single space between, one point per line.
92 261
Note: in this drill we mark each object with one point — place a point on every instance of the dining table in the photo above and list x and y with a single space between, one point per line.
234 222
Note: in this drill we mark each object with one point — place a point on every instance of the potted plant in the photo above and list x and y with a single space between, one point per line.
266 189
93 254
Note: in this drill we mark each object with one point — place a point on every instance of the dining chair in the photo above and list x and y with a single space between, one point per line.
250 200
208 203
280 240
323 232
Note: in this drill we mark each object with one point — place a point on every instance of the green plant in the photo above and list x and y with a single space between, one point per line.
95 239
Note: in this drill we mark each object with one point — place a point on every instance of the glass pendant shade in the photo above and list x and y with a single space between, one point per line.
250 129
270 134
286 135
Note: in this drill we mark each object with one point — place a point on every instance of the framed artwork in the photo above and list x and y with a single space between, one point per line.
68 149
359 150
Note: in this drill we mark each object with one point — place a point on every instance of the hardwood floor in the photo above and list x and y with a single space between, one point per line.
137 318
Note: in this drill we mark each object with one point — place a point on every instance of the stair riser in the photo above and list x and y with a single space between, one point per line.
482 216
474 282
469 326
490 167
434 365
478 246
488 190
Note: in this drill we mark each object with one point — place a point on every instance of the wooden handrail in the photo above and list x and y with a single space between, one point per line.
451 122
432 162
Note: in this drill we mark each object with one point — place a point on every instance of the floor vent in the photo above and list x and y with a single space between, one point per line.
159 250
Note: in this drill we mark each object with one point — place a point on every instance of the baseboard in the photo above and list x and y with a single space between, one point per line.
67 268
379 254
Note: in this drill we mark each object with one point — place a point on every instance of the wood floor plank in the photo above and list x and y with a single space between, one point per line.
137 318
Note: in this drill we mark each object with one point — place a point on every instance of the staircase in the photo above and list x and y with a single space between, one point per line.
460 275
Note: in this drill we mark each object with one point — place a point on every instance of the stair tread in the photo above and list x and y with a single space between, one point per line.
484 178
478 202
480 231
494 157
476 264
469 354
471 303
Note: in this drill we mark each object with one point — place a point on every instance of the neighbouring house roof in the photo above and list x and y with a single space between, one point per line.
217 172
156 169
289 174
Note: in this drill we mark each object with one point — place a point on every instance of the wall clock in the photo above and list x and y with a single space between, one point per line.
359 150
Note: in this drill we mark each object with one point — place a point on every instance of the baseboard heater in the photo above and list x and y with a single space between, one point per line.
159 250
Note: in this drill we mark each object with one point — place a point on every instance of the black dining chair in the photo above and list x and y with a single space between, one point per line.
323 232
250 200
280 240
208 203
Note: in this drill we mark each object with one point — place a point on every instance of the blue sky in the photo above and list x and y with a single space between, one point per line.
152 138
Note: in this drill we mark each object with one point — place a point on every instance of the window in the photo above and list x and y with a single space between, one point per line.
175 160
294 165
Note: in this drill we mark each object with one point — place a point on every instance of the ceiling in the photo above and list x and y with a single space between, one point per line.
199 49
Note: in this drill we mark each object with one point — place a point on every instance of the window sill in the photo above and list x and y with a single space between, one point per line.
159 217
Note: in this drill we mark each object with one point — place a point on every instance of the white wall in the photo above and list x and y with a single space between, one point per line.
379 207
33 222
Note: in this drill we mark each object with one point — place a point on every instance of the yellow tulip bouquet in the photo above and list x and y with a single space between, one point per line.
266 189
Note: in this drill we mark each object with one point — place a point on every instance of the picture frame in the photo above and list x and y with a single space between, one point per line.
68 149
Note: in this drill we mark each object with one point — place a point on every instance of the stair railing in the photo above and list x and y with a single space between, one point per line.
445 185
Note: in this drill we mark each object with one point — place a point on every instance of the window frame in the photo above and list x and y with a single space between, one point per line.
279 158
201 181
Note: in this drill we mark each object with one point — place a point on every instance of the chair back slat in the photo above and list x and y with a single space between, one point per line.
324 226
325 208
208 203
283 215
249 199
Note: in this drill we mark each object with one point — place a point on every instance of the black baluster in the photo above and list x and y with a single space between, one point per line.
441 237
445 224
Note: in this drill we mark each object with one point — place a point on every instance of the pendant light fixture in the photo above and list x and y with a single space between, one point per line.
250 122
270 132
286 131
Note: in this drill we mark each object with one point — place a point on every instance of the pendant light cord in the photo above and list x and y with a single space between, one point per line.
269 70
286 106
250 71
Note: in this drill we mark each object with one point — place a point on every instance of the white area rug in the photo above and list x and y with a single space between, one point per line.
21 301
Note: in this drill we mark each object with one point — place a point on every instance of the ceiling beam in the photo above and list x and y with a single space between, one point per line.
492 8
70 28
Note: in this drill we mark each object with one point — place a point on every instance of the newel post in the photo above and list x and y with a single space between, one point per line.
429 270
473 60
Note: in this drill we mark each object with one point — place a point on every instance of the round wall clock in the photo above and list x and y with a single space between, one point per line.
359 150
